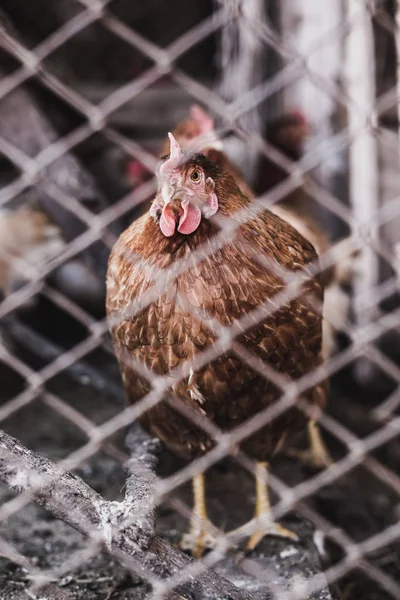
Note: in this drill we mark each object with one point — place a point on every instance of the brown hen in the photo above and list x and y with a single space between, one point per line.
163 333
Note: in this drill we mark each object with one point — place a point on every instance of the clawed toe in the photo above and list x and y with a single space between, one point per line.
310 459
317 454
271 529
264 529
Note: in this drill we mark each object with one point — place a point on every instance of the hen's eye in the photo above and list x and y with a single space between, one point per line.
195 176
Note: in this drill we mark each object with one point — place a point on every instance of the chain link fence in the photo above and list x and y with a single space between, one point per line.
86 96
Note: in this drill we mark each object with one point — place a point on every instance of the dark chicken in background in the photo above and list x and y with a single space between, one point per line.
288 134
228 285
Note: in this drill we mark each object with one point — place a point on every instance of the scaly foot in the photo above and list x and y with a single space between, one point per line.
264 529
317 454
265 525
200 536
270 529
198 540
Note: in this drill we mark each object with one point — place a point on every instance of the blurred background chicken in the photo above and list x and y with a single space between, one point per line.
29 123
27 240
288 134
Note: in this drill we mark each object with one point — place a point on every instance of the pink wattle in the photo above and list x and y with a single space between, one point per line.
167 221
190 220
213 205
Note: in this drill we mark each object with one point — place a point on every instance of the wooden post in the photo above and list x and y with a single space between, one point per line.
312 30
241 56
397 245
363 157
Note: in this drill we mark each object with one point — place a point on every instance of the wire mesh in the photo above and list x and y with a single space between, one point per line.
362 446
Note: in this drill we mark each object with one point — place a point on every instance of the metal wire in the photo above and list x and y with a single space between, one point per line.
363 339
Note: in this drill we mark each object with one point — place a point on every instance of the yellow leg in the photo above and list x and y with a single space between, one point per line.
318 449
198 539
262 513
317 454
263 510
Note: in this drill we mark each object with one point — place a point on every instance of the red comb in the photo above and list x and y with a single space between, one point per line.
175 155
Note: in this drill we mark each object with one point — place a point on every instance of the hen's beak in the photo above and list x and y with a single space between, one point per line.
175 207
179 214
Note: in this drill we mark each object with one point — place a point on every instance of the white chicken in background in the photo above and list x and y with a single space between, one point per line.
27 240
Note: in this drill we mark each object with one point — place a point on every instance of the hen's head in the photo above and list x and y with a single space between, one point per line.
186 192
